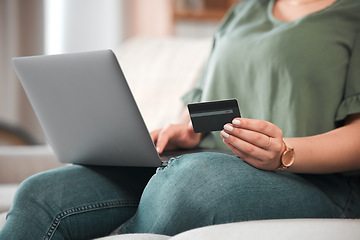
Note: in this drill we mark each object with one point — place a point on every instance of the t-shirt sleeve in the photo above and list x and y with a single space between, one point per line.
351 100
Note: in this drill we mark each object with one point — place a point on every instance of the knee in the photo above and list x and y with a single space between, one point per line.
199 166
43 189
189 174
186 194
199 170
198 179
34 190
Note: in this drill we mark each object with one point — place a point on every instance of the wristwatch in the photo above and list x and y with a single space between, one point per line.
287 158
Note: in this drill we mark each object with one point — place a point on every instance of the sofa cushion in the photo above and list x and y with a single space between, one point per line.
160 70
2 219
283 229
309 229
7 192
137 237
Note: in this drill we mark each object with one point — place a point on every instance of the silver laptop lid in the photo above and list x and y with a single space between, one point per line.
86 109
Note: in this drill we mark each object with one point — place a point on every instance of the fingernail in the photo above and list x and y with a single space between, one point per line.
158 149
236 122
228 128
224 134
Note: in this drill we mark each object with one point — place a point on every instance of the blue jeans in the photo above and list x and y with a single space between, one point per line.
195 190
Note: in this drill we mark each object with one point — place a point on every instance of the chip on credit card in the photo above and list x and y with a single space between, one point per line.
212 116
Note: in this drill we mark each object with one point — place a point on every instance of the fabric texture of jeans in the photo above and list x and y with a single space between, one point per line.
75 202
194 190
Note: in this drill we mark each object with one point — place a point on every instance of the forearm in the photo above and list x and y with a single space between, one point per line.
260 143
334 151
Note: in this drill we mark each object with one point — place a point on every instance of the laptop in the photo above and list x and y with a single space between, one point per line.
86 109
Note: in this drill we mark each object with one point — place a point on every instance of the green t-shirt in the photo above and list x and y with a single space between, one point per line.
303 76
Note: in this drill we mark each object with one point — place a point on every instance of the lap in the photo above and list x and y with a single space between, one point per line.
210 188
192 191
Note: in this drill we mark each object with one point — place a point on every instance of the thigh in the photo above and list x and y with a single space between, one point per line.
211 188
76 202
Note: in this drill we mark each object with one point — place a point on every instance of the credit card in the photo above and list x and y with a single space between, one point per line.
212 116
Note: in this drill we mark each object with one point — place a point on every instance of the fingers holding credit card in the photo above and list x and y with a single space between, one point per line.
258 142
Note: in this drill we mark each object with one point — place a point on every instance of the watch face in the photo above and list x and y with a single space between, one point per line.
288 158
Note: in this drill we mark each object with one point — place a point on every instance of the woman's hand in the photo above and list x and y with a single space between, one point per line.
175 136
257 142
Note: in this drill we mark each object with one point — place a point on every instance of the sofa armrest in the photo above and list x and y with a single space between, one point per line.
19 162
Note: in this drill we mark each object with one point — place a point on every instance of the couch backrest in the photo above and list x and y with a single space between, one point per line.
160 71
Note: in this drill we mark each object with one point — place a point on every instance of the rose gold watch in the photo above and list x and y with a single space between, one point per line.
287 158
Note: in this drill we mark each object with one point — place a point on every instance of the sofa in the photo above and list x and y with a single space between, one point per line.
159 72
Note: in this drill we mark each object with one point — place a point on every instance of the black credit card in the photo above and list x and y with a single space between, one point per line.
212 116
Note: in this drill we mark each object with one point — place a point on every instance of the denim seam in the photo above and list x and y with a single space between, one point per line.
124 227
347 206
82 209
348 203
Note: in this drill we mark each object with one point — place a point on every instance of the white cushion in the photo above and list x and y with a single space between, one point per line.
294 229
7 192
136 237
2 219
283 229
